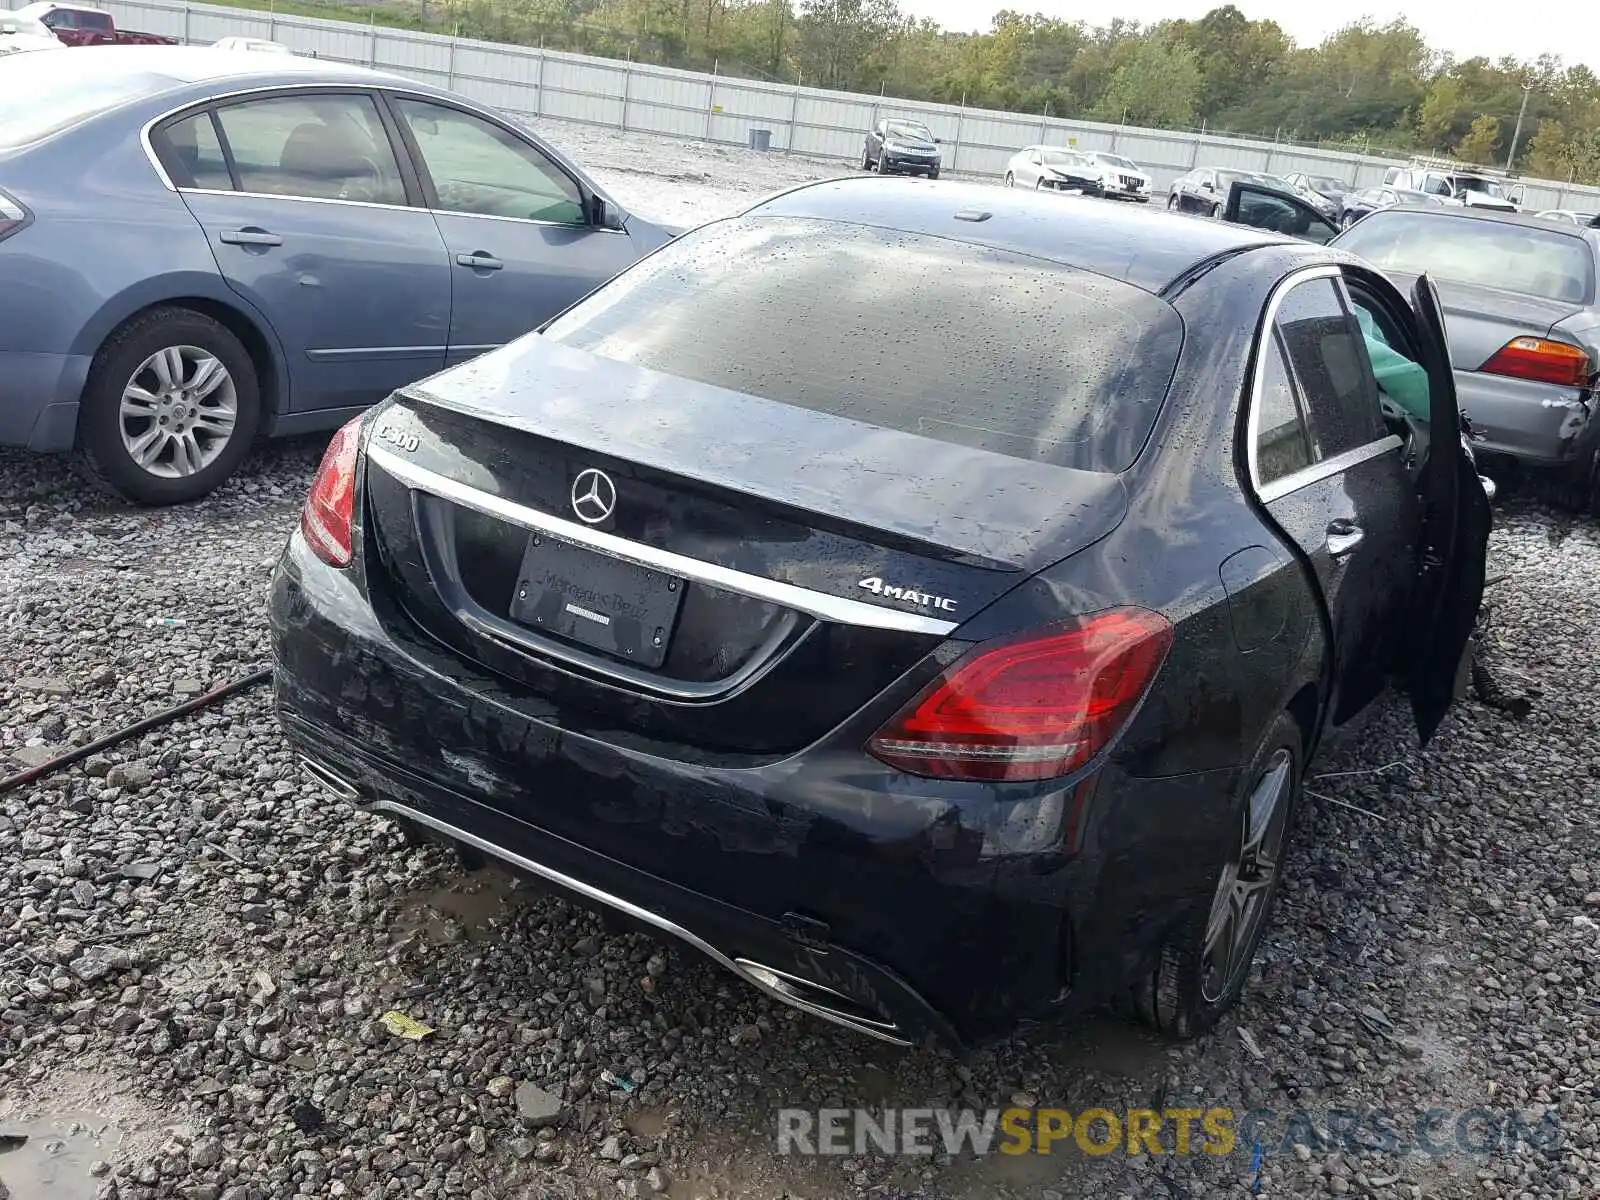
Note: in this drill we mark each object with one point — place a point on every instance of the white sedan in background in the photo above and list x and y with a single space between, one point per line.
260 45
1053 168
19 33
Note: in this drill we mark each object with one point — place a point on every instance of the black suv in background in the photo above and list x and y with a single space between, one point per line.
896 145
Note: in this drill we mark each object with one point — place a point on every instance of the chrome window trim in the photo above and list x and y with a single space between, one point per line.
1279 488
467 106
826 607
1325 467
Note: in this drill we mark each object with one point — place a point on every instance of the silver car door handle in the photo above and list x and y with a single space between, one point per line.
1343 537
479 260
250 237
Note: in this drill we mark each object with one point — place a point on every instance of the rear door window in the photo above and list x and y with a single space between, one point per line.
1282 440
325 147
191 152
1331 365
925 335
99 22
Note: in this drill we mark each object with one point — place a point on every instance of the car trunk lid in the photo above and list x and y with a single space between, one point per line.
1481 320
688 562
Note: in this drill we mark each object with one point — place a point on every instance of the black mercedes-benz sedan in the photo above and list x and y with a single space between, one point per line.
922 599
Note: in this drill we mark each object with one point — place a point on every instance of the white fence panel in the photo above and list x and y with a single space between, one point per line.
808 121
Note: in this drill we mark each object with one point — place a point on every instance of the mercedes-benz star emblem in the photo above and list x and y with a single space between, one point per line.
594 496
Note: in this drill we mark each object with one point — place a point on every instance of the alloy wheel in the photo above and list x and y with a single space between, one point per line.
178 411
1245 889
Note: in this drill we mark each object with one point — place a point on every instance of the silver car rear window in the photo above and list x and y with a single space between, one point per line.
957 342
41 94
1548 263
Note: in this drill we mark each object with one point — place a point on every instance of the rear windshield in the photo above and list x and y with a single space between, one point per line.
42 94
925 335
1548 263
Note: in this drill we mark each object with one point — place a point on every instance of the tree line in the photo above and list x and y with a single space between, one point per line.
1367 86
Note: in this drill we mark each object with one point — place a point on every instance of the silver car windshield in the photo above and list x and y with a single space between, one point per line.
1547 263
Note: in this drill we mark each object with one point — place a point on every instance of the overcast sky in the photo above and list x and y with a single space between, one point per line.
1464 27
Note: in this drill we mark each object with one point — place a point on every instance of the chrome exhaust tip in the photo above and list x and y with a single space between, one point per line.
819 1001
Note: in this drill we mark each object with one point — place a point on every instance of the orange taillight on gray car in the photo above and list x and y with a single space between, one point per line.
1540 360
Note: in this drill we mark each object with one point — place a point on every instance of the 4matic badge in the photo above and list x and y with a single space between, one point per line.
878 587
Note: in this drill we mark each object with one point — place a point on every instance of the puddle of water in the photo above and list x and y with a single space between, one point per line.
61 1147
466 911
647 1123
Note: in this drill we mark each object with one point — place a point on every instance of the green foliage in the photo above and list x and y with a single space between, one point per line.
1479 144
1158 84
1365 86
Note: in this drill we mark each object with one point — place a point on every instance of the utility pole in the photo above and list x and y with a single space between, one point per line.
1516 135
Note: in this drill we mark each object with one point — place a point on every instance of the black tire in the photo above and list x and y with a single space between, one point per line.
883 163
933 174
1216 212
866 159
1184 995
1011 180
100 455
1346 220
1172 204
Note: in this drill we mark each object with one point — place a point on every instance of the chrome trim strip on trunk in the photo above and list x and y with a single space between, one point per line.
817 604
773 983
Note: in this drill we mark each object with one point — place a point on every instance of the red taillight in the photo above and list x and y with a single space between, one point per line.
1032 708
1540 360
330 508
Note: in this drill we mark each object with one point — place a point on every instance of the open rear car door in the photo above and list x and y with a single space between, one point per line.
1277 211
1453 547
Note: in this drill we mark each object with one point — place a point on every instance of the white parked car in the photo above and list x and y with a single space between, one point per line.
1120 178
1053 168
19 33
261 45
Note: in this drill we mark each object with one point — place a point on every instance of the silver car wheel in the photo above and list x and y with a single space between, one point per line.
1240 904
178 412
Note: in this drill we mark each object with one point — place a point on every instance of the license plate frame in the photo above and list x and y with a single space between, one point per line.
596 600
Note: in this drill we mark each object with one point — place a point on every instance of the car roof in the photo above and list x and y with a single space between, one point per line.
171 66
1146 249
1498 216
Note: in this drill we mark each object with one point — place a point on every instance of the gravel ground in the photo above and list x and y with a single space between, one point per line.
194 943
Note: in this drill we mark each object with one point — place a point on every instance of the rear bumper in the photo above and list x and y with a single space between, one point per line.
835 884
39 399
1538 423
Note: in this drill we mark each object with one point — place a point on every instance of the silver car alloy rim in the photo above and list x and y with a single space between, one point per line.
178 411
1240 904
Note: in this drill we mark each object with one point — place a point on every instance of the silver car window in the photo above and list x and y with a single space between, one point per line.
480 169
1330 362
192 154
327 147
1282 447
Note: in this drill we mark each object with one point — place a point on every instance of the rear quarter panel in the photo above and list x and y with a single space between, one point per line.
108 239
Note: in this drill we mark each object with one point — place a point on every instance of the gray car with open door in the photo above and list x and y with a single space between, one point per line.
1520 295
